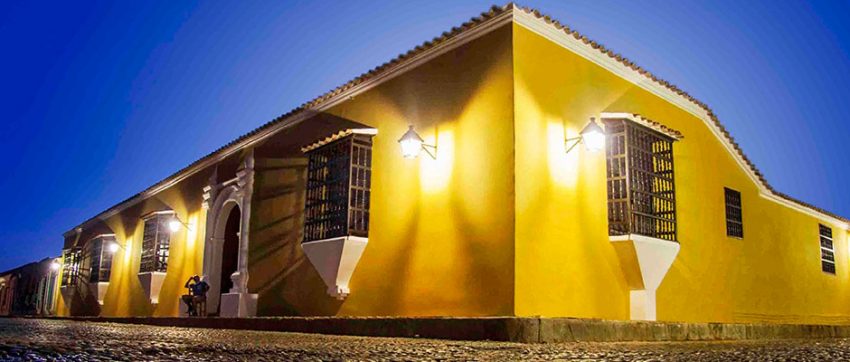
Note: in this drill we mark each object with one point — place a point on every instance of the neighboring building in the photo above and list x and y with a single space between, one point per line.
29 289
507 211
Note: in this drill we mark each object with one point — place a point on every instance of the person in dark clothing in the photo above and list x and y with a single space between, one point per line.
199 296
189 298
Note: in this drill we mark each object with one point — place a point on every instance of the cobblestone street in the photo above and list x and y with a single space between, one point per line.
37 340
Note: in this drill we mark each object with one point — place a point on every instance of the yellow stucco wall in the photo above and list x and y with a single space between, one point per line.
565 265
125 296
441 236
441 231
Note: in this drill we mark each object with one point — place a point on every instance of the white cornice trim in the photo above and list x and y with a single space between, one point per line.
814 213
154 214
403 66
98 236
558 36
646 122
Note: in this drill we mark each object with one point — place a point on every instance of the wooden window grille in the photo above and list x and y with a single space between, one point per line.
71 266
641 191
827 250
339 180
734 215
97 260
156 240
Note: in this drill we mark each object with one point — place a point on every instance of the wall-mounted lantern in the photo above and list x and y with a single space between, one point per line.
113 247
175 223
411 144
592 135
55 265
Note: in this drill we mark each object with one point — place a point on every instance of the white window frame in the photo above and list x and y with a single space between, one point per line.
823 248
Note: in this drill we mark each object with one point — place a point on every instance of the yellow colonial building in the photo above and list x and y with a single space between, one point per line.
509 167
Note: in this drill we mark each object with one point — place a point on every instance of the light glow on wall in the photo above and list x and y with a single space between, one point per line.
563 166
435 174
192 233
128 246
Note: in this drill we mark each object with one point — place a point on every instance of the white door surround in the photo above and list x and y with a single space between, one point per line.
219 201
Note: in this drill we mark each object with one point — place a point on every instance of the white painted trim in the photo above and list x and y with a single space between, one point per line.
366 131
230 182
335 259
101 236
641 238
154 214
337 239
793 205
558 36
640 120
339 135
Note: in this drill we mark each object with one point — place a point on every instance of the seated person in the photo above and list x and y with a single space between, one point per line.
189 298
199 294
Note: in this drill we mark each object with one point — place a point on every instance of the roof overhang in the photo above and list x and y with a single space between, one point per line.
485 23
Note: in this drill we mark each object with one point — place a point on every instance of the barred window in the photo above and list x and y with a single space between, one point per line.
97 260
339 178
155 243
827 250
641 192
71 266
734 217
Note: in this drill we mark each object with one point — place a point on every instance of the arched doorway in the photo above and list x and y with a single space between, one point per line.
230 249
221 252
228 206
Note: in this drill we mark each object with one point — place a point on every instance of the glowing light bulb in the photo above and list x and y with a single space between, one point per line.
55 265
113 247
410 143
593 136
174 225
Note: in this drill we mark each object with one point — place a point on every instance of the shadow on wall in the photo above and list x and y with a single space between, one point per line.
279 270
85 300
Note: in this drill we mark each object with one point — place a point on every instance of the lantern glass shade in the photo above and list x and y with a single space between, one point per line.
113 247
174 225
593 137
55 265
411 143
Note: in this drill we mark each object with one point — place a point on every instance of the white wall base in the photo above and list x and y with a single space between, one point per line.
238 305
152 284
100 290
642 306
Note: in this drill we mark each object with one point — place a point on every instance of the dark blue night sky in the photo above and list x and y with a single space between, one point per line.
101 100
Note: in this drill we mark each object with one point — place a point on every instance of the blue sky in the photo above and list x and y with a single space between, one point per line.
99 100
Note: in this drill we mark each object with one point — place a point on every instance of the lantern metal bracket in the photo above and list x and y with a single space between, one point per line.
431 150
571 143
